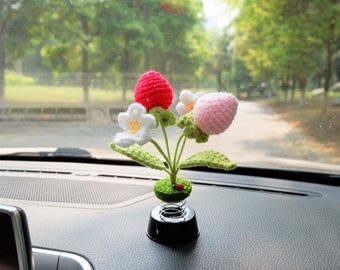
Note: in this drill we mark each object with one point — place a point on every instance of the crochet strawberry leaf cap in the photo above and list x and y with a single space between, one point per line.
190 130
153 90
164 117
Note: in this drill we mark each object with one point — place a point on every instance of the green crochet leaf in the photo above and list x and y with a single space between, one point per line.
166 118
140 155
211 159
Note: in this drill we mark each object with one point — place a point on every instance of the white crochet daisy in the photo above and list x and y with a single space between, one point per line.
136 124
187 101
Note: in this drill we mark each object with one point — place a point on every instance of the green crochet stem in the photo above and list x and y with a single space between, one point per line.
172 162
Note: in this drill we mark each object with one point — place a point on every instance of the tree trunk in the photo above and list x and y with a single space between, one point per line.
328 74
5 7
328 69
2 70
85 78
85 71
2 58
302 82
219 80
337 60
147 61
285 88
292 96
125 79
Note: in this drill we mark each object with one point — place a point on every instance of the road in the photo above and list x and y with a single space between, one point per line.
256 133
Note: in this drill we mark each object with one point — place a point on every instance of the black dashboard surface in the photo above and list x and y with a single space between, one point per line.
101 212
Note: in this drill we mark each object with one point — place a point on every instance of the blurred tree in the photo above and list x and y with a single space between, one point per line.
285 39
183 43
127 36
66 34
94 36
325 14
12 14
240 77
167 36
123 41
221 59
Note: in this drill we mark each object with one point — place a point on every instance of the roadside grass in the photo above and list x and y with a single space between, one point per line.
39 94
322 130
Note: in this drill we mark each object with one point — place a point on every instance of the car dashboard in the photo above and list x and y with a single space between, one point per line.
94 215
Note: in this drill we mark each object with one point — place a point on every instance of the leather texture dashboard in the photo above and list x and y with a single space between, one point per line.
101 212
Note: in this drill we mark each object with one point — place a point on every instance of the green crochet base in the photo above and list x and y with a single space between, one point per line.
165 192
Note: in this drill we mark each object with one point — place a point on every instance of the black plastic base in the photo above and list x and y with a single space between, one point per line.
172 233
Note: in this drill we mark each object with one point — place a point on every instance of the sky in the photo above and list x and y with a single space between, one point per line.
217 13
210 7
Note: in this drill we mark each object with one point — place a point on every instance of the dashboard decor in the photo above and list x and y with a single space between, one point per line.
199 115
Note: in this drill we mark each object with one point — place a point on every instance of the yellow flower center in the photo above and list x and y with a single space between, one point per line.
190 107
133 126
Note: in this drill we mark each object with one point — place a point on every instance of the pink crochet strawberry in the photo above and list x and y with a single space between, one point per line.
153 90
214 112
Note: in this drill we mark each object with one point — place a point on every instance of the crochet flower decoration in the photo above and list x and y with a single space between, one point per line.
136 124
200 115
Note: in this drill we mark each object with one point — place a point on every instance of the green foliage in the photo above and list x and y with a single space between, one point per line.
12 79
31 94
106 36
281 38
15 24
127 36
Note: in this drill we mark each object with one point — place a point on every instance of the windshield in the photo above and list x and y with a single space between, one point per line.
68 68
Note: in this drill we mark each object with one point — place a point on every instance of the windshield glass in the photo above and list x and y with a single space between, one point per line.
68 68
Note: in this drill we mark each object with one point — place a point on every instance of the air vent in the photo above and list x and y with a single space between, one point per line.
233 186
115 176
70 192
276 191
263 189
34 171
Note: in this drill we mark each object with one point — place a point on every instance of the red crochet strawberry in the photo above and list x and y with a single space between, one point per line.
153 90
